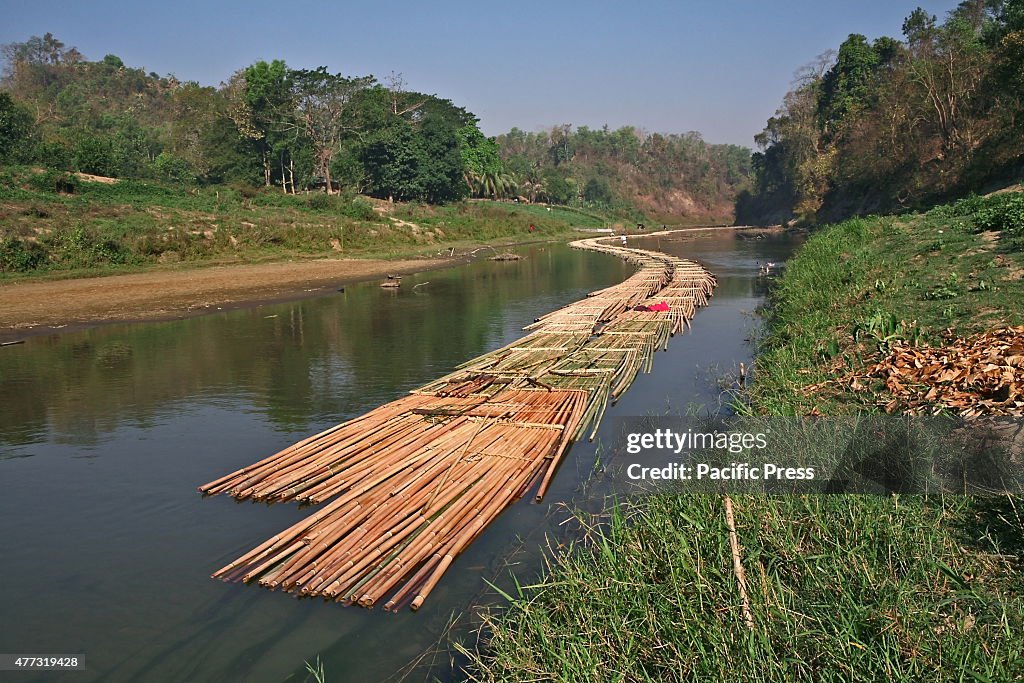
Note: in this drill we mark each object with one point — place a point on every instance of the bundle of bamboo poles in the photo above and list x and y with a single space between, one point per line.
413 482
418 506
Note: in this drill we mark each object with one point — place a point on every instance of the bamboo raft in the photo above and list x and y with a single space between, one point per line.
409 485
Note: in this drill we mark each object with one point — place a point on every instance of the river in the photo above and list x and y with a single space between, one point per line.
106 432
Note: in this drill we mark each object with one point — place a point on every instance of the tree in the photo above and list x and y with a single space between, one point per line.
596 190
16 131
947 65
560 190
441 165
324 113
846 88
391 162
195 110
415 161
268 95
46 50
484 172
561 150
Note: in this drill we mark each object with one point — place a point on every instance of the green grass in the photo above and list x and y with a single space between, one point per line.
842 587
858 285
100 228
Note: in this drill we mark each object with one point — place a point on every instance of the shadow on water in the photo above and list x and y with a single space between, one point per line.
105 433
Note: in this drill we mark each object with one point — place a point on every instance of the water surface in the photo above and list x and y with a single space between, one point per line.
106 432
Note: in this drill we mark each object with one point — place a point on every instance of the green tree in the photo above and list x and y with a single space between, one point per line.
846 88
442 162
95 154
480 154
596 190
324 113
269 96
560 190
16 131
391 162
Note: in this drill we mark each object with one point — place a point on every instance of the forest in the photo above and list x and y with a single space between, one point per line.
667 175
294 130
889 125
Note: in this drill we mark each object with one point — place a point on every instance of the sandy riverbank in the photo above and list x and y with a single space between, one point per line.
33 307
30 307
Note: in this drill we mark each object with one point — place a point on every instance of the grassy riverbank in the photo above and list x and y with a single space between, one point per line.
56 225
844 588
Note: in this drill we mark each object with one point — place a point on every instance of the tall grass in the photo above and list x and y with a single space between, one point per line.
842 588
928 273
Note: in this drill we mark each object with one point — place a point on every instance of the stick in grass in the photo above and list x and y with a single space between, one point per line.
737 563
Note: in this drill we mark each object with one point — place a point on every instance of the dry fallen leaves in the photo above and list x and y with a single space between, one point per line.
978 375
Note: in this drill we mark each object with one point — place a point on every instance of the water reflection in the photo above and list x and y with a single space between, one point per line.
300 362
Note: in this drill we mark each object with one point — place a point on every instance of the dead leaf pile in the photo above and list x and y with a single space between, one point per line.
978 375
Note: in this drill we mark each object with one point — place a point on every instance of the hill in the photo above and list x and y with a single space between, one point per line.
672 178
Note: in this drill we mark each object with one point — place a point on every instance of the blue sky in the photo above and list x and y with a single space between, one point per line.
720 68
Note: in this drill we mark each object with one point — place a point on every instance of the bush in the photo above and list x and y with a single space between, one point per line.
96 155
16 130
321 201
174 169
1002 212
360 209
20 255
964 207
54 155
244 190
55 181
81 247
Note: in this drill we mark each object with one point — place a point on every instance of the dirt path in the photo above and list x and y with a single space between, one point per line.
35 307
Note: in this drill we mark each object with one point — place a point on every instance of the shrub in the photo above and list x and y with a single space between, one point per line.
81 247
963 207
360 209
1002 212
55 181
244 190
20 256
95 154
54 155
174 169
321 201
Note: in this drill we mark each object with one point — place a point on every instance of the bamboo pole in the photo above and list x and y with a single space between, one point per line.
412 483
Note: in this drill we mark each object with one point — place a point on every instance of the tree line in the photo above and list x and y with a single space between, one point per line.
670 174
892 123
297 129
269 124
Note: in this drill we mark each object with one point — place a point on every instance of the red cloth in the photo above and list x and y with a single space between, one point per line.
660 306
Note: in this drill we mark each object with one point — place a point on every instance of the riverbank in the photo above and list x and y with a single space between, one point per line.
43 304
50 228
852 588
31 307
167 252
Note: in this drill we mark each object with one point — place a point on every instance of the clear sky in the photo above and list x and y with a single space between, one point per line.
718 67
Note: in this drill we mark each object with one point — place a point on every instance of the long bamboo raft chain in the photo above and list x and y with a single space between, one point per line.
410 484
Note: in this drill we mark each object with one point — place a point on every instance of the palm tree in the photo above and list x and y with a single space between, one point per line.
534 189
489 184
